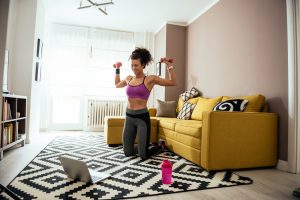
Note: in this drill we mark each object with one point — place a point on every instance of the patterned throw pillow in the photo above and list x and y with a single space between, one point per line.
231 105
190 94
186 111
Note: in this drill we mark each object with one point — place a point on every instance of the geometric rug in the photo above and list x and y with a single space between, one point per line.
131 177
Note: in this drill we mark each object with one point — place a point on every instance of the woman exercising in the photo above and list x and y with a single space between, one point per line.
138 90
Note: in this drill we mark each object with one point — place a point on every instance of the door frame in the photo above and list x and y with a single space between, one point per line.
293 28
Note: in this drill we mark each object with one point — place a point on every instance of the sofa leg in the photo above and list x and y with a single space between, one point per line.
113 145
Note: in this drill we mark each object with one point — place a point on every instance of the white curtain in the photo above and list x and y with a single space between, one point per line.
77 63
79 60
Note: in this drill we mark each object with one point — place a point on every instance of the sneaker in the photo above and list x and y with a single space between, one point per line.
162 144
296 192
155 150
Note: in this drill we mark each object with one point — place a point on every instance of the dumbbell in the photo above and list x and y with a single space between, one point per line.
117 65
170 60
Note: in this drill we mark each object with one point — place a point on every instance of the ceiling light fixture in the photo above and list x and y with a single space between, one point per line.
101 5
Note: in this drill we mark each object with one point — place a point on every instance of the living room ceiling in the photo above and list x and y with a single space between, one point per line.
127 15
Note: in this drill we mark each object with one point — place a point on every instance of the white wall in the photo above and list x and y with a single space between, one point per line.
11 35
160 52
25 26
36 89
4 5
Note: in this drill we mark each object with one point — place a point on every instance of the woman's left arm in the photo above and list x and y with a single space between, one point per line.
166 82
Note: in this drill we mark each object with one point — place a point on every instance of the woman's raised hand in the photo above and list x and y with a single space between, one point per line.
166 60
117 65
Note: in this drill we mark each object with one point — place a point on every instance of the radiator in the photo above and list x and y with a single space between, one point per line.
97 109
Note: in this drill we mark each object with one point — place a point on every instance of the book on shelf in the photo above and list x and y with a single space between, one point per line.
16 131
6 113
7 134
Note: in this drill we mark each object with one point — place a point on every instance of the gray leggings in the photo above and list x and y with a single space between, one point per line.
137 122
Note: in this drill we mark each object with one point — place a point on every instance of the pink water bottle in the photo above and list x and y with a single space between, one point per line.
166 172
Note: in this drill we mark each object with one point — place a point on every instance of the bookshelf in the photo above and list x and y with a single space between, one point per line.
13 123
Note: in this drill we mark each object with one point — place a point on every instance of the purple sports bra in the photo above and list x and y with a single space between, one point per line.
137 91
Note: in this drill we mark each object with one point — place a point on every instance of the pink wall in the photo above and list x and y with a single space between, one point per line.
170 42
239 47
176 48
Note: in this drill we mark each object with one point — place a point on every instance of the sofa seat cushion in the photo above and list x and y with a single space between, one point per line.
119 121
168 123
183 141
189 127
115 120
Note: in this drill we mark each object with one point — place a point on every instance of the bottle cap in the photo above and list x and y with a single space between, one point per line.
166 163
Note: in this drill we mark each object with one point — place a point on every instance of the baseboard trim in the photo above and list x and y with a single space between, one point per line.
282 165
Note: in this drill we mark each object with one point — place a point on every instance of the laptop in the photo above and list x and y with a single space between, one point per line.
77 169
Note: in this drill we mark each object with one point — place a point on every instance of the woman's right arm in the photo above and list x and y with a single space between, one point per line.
119 83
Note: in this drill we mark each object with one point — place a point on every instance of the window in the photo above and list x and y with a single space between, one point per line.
78 62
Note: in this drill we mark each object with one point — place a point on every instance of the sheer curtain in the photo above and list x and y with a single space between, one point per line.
79 63
80 59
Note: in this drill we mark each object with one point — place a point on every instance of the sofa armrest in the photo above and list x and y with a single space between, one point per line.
233 140
152 112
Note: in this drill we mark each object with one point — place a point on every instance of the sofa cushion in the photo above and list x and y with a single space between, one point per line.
168 123
255 104
188 140
231 105
166 108
186 111
114 120
204 104
119 121
190 127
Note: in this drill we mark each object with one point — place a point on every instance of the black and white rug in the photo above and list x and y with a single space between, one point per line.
44 177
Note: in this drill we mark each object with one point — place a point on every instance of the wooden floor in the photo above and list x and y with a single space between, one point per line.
268 183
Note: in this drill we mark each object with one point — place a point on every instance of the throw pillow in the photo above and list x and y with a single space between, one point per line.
231 105
204 104
186 111
180 103
255 102
166 108
190 94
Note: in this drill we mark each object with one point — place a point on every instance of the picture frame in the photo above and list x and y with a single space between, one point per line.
158 69
38 71
39 50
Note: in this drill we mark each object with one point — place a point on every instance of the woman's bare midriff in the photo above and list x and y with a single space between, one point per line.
136 104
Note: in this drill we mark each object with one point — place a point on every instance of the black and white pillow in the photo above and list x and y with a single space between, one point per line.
231 105
190 94
186 111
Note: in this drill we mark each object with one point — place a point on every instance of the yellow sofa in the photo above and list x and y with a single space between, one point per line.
215 140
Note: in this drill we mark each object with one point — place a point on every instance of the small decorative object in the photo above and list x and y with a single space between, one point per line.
38 69
166 172
39 48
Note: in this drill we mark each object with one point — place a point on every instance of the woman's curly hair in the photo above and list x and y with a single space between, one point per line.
142 54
